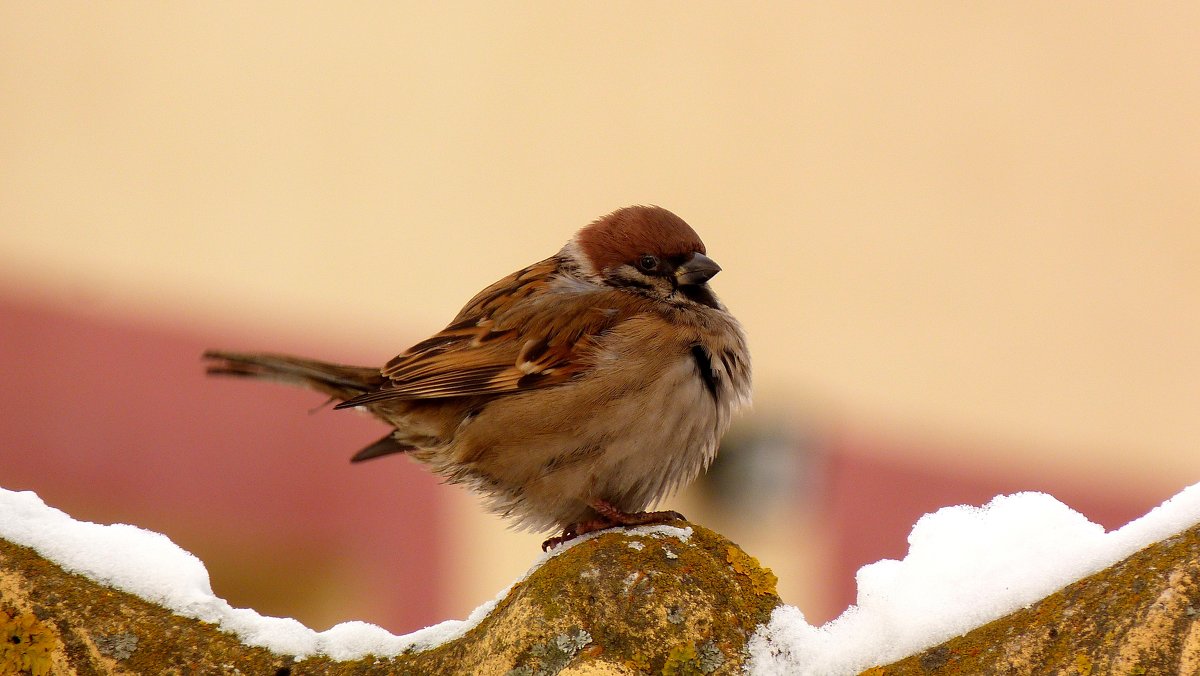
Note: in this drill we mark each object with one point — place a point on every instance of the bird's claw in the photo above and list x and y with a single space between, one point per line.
610 516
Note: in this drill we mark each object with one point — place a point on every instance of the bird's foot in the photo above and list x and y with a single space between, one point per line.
619 518
575 530
610 516
557 540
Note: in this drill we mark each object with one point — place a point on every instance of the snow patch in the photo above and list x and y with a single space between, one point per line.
149 565
965 566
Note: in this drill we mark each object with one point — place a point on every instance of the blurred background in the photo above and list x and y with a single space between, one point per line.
963 238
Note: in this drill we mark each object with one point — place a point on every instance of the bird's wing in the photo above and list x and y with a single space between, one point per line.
528 330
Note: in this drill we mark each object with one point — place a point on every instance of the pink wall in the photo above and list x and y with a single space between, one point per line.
115 421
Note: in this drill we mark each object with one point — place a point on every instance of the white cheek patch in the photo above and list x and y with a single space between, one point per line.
572 252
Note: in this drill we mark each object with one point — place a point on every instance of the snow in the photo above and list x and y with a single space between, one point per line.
149 565
965 566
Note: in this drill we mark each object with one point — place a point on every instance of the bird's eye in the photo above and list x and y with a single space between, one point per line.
647 263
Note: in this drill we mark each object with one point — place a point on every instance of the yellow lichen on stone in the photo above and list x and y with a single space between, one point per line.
638 662
683 660
28 644
762 580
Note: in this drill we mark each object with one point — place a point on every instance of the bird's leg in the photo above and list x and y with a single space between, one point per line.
610 516
619 518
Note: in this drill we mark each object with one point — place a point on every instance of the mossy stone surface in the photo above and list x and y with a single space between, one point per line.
1139 616
619 603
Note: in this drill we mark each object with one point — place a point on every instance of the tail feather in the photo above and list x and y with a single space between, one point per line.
384 446
336 380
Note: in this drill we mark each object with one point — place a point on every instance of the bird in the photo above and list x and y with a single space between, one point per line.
573 394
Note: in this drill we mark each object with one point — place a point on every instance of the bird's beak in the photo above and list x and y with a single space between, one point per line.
697 270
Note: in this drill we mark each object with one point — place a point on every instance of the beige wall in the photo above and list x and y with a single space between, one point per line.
979 221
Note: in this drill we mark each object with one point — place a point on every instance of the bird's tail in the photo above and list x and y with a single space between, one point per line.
338 381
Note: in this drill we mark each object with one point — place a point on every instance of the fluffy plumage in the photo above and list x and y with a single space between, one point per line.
571 394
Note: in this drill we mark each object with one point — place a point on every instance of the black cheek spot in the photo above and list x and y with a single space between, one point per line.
704 365
700 293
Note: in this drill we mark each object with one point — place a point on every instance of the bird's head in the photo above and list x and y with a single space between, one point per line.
644 249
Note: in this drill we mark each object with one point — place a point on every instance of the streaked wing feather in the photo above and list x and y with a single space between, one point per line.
512 336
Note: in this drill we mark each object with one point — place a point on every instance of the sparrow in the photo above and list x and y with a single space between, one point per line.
572 394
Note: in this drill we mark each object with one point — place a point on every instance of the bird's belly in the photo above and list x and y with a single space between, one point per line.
628 440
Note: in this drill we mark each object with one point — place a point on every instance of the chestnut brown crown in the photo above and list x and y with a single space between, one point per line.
625 234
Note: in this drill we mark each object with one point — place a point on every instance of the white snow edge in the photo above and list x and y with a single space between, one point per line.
965 567
149 565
